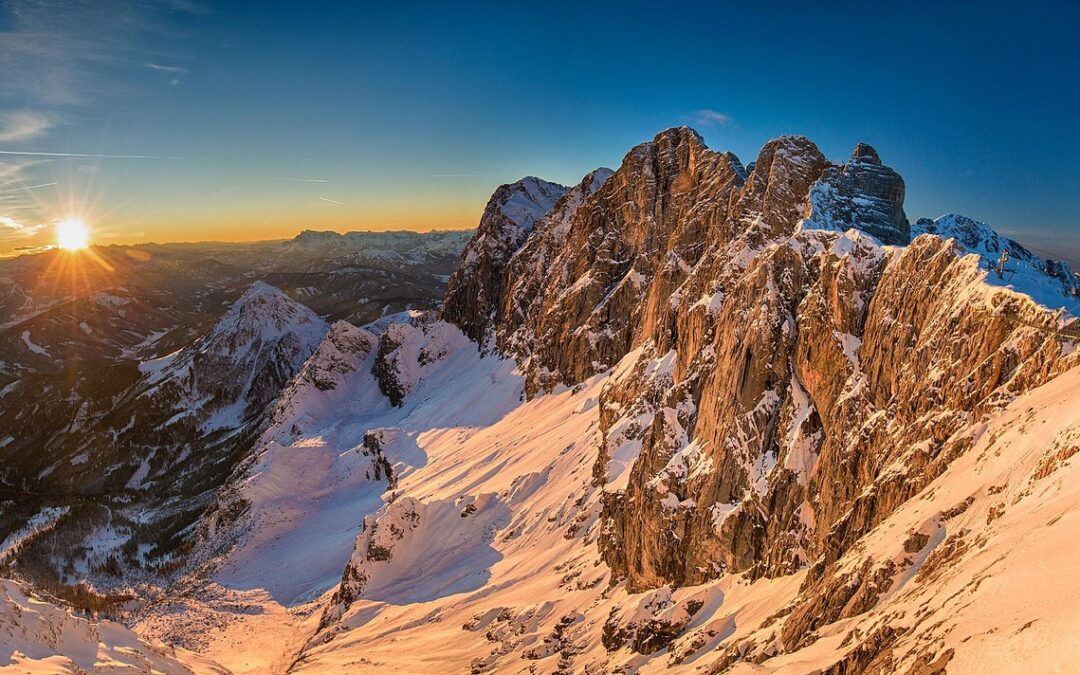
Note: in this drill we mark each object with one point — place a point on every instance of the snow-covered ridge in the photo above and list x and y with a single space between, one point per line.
1049 282
264 337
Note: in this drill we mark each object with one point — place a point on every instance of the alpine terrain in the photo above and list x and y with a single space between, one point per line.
689 415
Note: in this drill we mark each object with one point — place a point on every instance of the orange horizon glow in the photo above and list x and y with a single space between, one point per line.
226 234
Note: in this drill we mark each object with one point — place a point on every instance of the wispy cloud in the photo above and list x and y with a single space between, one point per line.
79 155
26 250
23 125
332 202
711 118
166 69
13 229
68 53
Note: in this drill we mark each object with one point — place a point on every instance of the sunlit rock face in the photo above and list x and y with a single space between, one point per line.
612 262
711 415
785 381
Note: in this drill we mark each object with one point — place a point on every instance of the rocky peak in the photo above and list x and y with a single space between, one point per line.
865 154
476 287
862 194
241 364
262 314
594 260
341 352
972 235
670 152
1048 281
775 191
515 208
592 181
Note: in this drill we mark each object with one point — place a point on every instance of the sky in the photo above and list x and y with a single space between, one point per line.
184 120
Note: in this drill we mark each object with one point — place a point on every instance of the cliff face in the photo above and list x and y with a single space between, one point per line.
784 380
612 261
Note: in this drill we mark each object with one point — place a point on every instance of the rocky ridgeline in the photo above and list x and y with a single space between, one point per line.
792 364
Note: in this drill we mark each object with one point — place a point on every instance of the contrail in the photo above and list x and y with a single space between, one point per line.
34 187
78 155
332 201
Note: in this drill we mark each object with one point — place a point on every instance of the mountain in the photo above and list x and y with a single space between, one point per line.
687 415
135 474
785 368
508 219
367 274
432 251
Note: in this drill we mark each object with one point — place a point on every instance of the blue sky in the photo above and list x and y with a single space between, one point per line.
255 120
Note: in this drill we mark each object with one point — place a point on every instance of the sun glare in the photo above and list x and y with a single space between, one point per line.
72 234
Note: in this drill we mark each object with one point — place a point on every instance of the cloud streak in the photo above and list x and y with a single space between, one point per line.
79 155
13 229
711 118
166 69
34 187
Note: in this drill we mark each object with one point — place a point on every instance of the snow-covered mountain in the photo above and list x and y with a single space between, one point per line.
690 414
133 478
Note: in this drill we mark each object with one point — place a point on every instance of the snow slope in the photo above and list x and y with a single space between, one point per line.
310 485
497 569
994 580
39 637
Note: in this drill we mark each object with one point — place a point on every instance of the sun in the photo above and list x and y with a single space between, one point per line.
72 234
